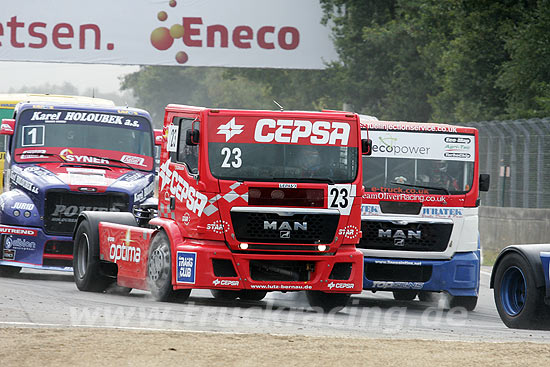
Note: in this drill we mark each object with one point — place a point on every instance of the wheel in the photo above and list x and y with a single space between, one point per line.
9 271
519 303
468 302
224 294
426 296
327 301
86 271
159 271
250 295
404 295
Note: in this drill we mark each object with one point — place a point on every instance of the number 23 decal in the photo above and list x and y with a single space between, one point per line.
341 197
232 158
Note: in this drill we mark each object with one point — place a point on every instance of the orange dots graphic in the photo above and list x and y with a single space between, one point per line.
181 57
176 31
162 16
161 39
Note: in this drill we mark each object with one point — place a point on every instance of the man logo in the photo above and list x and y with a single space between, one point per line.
399 235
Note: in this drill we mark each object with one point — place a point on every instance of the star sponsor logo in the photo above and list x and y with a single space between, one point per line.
230 129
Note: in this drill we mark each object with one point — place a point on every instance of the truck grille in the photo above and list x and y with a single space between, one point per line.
272 228
63 207
381 235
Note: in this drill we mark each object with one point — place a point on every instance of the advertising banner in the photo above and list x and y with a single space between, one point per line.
225 33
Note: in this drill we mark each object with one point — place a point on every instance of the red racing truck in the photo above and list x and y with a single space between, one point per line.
249 202
420 211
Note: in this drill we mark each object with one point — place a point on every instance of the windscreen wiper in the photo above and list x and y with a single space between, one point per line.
111 159
423 187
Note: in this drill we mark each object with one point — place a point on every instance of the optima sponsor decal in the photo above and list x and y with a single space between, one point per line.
302 132
124 253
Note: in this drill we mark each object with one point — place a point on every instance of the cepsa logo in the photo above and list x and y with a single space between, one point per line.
195 33
296 131
178 187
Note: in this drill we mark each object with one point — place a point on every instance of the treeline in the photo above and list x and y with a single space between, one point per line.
416 60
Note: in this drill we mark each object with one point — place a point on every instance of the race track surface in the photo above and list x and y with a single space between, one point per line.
47 299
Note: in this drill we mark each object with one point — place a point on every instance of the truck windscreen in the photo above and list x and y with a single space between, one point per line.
419 163
42 129
282 162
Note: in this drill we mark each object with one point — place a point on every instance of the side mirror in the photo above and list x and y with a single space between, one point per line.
192 137
158 136
8 127
366 146
484 181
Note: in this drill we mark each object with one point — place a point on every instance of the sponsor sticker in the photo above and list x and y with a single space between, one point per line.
9 254
396 285
435 212
19 244
186 267
136 161
18 231
219 226
333 285
216 282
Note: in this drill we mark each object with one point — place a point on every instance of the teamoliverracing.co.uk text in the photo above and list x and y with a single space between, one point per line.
403 197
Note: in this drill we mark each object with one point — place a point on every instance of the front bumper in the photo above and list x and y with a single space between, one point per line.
458 276
30 247
211 265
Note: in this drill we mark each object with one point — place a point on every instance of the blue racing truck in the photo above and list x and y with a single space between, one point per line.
62 159
521 283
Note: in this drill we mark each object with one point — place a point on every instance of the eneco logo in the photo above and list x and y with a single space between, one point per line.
194 34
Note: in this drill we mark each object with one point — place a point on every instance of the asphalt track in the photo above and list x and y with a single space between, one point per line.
51 300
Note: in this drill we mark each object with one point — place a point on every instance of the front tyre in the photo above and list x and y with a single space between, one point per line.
9 271
519 302
159 271
86 269
328 302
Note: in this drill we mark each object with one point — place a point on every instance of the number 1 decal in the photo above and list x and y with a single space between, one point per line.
341 197
33 136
